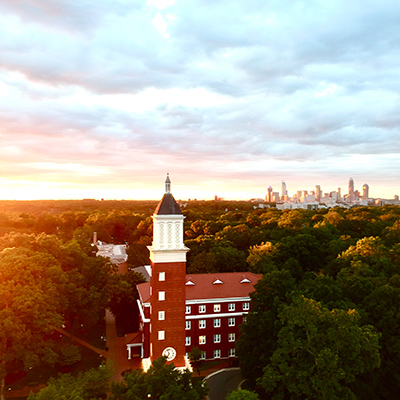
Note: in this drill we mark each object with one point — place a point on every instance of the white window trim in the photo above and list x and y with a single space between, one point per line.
219 300
161 315
217 336
218 315
161 295
161 335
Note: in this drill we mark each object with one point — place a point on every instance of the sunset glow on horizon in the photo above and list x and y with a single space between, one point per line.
229 98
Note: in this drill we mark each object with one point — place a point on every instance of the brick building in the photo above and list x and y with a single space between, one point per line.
179 311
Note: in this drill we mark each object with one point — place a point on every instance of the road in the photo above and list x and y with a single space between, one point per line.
223 382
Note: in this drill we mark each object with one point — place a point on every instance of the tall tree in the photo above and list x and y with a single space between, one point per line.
30 284
320 352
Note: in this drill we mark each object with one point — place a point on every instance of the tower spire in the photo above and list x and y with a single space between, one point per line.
167 184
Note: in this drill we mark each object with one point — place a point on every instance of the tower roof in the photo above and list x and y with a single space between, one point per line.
168 205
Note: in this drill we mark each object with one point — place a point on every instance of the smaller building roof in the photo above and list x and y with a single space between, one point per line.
221 285
115 252
211 286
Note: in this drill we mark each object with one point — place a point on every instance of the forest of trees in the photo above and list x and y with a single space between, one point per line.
325 314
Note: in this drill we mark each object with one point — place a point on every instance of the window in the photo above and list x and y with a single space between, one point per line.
231 321
187 341
217 322
161 335
188 325
202 339
246 306
202 308
188 309
231 353
203 355
161 276
161 315
217 338
231 307
244 318
202 323
231 337
161 295
217 307
217 353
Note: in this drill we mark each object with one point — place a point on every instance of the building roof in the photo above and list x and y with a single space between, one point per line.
144 292
168 206
212 286
142 270
116 253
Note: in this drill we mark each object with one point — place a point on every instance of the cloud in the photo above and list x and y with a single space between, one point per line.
216 91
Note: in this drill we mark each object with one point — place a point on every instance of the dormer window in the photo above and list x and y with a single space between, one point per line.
189 282
217 282
245 280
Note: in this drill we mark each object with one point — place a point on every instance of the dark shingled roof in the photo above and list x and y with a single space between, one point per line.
168 206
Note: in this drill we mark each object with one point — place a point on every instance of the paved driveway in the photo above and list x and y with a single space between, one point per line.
222 382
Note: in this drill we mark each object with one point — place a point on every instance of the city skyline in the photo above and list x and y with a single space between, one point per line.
101 100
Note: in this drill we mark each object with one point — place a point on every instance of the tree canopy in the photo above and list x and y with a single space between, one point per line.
161 382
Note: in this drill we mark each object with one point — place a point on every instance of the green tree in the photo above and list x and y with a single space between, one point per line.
320 352
91 385
194 357
228 258
160 382
30 305
382 307
259 333
242 394
260 258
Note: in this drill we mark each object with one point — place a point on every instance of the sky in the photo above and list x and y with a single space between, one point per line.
103 98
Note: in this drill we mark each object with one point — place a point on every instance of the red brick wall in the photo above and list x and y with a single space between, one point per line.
174 307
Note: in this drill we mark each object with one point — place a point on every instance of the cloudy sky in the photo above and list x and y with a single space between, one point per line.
101 98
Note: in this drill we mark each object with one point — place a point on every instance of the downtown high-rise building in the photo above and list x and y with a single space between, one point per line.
318 194
283 190
351 191
365 190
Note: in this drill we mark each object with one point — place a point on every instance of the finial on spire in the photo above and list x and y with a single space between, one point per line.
167 184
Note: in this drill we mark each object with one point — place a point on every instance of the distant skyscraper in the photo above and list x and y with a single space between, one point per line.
283 189
269 197
351 190
365 190
339 193
318 193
